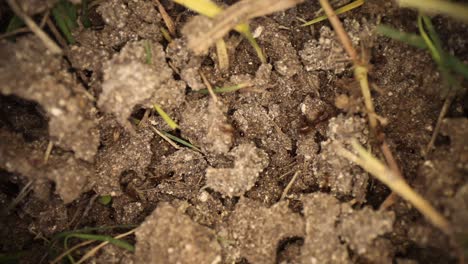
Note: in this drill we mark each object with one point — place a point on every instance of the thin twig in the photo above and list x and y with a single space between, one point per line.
145 117
360 67
14 32
48 151
291 182
340 32
391 199
21 195
167 19
48 42
209 87
443 112
70 250
86 210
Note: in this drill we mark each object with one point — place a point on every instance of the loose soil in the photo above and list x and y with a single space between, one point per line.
265 183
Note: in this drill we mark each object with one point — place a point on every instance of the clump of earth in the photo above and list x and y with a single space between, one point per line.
261 179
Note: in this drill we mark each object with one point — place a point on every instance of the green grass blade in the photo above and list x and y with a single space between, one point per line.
105 199
12 257
457 65
338 11
182 142
14 24
432 48
117 242
408 38
171 123
417 41
148 52
85 14
91 229
456 10
65 16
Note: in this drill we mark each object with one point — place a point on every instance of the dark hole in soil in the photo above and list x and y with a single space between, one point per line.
289 249
442 140
6 185
24 117
429 255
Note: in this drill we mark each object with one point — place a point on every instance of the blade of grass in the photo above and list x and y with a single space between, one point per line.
171 123
14 24
430 45
172 143
417 41
64 15
166 34
148 52
456 10
90 229
119 243
93 251
182 142
408 38
85 14
338 11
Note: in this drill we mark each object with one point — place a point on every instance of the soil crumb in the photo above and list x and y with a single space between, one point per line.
332 227
30 72
254 232
139 76
249 162
170 236
344 178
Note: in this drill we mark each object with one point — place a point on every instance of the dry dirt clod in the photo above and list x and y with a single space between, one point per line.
327 53
72 121
186 62
254 231
321 244
331 170
249 162
70 175
279 48
139 76
205 124
170 236
332 226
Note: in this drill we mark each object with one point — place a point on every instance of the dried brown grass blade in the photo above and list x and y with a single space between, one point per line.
235 14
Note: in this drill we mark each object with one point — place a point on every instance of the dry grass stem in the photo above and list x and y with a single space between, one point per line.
172 143
238 13
223 58
291 182
396 183
167 19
